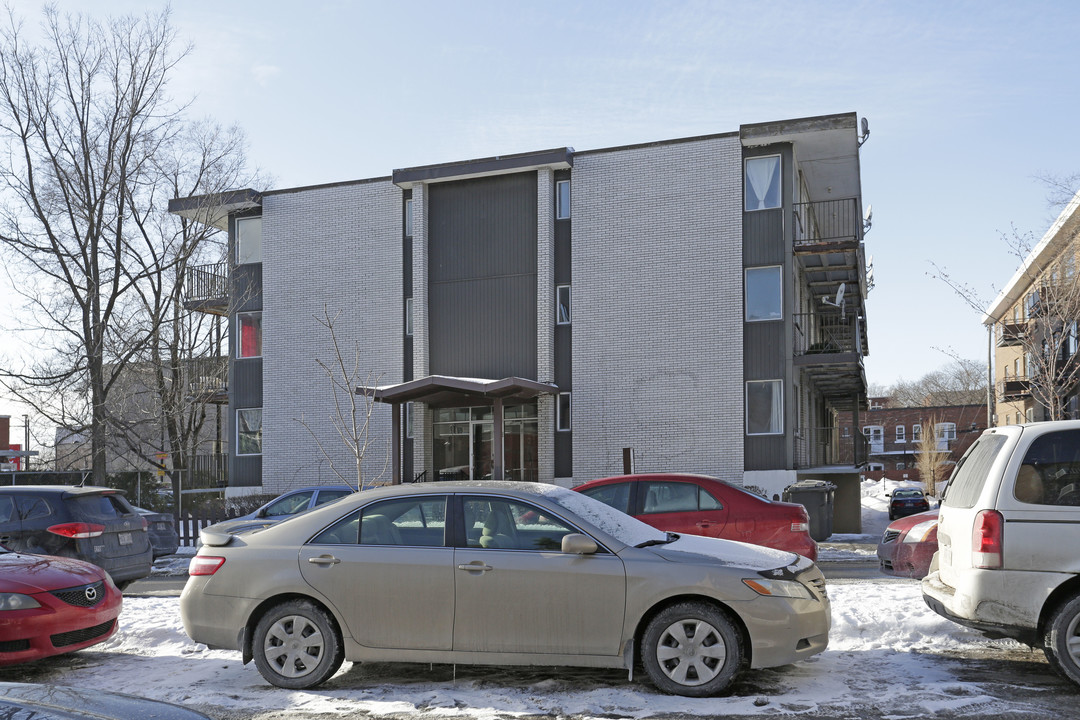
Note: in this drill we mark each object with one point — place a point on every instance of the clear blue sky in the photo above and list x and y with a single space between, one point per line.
967 103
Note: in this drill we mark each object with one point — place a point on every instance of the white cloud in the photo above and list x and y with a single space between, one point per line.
263 74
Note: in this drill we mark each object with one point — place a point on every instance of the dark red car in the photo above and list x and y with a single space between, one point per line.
908 545
52 605
703 505
907 501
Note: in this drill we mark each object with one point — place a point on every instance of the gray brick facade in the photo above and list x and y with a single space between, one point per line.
657 283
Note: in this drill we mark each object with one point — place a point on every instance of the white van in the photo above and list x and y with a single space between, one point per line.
1008 560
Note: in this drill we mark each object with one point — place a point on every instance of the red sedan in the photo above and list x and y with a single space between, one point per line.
702 505
52 605
908 545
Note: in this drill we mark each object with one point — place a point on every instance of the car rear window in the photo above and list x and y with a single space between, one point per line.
98 507
971 472
1050 473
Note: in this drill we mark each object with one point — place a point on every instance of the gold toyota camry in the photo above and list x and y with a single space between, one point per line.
500 573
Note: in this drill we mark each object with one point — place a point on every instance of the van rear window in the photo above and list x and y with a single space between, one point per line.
89 508
970 475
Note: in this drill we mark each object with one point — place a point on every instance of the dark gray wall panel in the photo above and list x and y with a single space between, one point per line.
484 328
564 350
246 383
564 455
765 452
246 288
245 470
763 344
763 237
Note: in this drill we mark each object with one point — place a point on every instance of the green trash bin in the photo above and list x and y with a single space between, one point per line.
817 496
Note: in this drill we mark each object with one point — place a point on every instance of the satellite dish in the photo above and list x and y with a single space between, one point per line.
865 131
868 219
839 302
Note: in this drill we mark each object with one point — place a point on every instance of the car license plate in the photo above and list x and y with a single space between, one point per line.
125 538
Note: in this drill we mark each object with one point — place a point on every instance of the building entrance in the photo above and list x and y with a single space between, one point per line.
461 448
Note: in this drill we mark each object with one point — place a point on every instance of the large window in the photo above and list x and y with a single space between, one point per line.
764 294
764 407
250 344
249 240
562 200
249 431
762 187
562 304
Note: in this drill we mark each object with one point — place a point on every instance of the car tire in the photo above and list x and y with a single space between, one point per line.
297 645
692 649
1061 641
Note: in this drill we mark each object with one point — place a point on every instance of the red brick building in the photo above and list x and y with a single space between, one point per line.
894 434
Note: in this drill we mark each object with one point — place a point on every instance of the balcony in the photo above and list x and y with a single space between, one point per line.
825 446
208 380
206 289
828 226
1017 387
828 349
1010 334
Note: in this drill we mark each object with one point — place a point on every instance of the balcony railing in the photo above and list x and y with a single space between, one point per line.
821 334
829 221
824 446
1015 387
207 283
1010 333
207 378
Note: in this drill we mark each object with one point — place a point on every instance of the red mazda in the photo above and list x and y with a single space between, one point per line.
52 605
702 505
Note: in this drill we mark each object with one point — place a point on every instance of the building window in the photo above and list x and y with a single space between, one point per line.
762 186
1029 414
408 317
901 466
563 421
900 434
764 293
875 467
562 200
916 433
764 407
562 304
248 240
408 217
249 431
945 433
409 420
846 432
250 344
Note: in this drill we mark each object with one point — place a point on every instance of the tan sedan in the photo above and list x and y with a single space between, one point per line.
500 573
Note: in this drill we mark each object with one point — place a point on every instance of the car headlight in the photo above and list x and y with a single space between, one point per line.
918 533
17 601
779 588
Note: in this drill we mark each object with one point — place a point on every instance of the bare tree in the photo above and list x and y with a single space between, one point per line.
95 149
930 457
352 410
961 382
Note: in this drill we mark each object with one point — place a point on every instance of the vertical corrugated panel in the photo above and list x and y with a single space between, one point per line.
482 277
246 389
763 238
764 452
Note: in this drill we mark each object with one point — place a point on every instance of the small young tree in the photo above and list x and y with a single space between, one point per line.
931 457
352 410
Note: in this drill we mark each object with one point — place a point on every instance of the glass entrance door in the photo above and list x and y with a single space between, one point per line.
462 437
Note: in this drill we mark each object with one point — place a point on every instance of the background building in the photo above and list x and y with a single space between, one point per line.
694 305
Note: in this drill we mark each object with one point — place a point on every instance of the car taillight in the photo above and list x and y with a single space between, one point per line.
145 525
205 565
78 530
800 527
986 540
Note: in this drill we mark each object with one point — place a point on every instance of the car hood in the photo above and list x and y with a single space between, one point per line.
910 521
24 573
729 553
56 702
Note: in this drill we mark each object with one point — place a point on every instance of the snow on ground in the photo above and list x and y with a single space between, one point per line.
882 632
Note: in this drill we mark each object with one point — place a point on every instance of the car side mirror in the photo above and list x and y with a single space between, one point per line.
578 544
261 513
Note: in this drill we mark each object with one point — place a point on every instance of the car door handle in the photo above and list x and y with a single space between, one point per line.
476 567
705 523
323 560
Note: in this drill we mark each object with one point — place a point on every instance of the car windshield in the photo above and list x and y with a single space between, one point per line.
620 526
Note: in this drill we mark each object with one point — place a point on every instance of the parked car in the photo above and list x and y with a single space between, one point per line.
26 701
284 506
95 524
52 605
908 545
164 540
1008 533
499 573
907 501
702 505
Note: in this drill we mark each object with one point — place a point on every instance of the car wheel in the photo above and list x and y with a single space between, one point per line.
297 645
692 649
1061 642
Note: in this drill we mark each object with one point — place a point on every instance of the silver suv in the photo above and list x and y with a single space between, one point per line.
1008 539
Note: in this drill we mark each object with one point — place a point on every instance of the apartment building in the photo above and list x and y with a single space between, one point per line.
693 304
1033 324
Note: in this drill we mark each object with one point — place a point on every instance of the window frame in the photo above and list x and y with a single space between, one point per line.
747 185
562 208
408 229
777 413
247 258
916 433
778 275
240 334
236 434
564 424
901 434
408 317
568 305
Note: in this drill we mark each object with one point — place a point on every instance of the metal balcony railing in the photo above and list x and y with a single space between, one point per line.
207 377
821 334
829 221
825 446
207 282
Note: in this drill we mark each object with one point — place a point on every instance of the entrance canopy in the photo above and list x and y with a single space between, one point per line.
443 391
